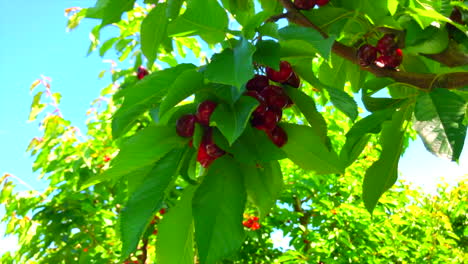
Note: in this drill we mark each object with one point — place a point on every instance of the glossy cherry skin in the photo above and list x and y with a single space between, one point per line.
304 4
268 120
278 136
282 75
294 80
275 96
367 54
202 157
387 44
390 61
185 125
322 2
257 83
141 72
204 111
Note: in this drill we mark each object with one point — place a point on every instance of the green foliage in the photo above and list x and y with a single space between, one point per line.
105 189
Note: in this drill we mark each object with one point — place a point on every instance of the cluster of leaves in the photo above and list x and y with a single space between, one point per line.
207 205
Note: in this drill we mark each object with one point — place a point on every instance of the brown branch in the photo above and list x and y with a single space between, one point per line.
423 81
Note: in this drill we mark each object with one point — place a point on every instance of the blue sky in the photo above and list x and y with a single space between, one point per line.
34 42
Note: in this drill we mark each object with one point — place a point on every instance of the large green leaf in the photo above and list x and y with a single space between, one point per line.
232 66
144 148
153 31
146 200
175 237
267 53
113 9
306 149
310 37
144 94
383 173
218 205
439 121
308 108
204 18
263 185
185 85
356 138
232 120
344 102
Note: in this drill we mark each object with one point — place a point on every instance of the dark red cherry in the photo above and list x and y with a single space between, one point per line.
304 4
367 54
202 157
204 111
185 125
275 96
268 120
142 72
294 80
390 61
387 44
322 2
282 75
255 94
257 83
278 136
213 150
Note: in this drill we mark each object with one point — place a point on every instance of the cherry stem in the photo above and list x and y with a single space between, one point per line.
422 81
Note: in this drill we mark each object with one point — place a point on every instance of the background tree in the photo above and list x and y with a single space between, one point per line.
216 124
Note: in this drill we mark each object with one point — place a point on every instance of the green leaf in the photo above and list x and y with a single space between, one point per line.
113 10
141 96
356 138
204 18
36 106
383 173
175 237
153 32
218 205
232 120
184 86
306 149
263 185
392 6
144 148
146 200
173 8
267 54
439 122
310 37
232 67
308 108
344 102
107 45
434 40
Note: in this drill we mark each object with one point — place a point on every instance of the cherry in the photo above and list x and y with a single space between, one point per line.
294 80
255 226
257 83
275 96
202 157
367 54
141 72
106 158
185 125
205 109
255 94
304 4
268 120
282 75
248 223
213 150
390 61
255 218
387 44
322 2
162 211
278 136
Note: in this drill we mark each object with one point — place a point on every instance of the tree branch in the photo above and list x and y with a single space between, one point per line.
423 81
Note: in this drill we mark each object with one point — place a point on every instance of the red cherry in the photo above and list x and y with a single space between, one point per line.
255 226
390 61
213 150
255 218
248 223
275 96
367 54
205 109
258 82
155 232
322 2
106 158
294 80
282 75
185 125
387 44
162 211
304 4
268 120
278 136
202 157
142 72
255 94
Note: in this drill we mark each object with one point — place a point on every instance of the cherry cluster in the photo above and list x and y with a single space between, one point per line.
208 151
252 223
272 100
309 4
385 55
141 72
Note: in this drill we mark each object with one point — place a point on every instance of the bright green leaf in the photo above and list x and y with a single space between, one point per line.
153 31
309 36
